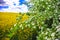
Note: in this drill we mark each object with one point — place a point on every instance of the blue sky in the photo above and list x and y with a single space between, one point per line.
14 6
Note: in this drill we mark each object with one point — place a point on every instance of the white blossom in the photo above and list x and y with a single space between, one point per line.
46 33
48 38
20 26
45 37
53 34
14 25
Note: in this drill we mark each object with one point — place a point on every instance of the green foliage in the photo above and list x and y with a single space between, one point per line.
3 33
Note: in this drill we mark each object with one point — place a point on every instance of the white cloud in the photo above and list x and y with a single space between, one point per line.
27 0
17 8
22 8
11 2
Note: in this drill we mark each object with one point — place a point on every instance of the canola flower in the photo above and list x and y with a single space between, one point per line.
25 17
7 19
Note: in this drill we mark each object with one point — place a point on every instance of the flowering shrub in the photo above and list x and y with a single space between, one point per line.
49 10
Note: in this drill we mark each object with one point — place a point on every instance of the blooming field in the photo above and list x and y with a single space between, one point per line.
7 19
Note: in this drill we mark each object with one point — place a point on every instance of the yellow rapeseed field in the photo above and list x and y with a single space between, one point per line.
7 19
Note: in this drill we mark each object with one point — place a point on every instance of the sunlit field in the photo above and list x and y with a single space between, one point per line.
7 19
